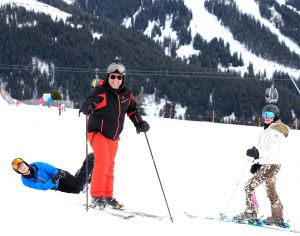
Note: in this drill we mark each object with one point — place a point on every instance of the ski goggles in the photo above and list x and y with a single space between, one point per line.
113 67
119 77
268 115
16 162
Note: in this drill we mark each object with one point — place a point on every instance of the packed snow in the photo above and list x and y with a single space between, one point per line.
202 167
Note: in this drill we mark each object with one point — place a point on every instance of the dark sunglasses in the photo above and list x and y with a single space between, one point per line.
119 77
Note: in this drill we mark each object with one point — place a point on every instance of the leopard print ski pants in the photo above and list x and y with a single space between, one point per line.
266 175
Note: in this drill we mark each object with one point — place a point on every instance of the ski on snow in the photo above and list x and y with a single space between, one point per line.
126 214
117 213
259 223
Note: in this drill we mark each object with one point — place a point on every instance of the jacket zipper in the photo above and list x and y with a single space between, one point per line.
119 111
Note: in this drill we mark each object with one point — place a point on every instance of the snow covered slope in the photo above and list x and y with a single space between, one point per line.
208 26
39 7
200 165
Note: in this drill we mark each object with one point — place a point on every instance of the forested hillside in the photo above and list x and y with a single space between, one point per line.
41 55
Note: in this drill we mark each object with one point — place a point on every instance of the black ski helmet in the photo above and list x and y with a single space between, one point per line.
16 162
271 108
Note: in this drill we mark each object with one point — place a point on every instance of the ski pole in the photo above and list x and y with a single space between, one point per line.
237 184
86 164
171 218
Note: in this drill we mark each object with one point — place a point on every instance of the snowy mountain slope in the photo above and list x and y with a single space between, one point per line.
39 7
209 27
251 8
203 23
199 164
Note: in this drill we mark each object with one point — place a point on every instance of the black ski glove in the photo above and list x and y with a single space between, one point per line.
87 108
255 167
142 126
253 152
60 175
90 109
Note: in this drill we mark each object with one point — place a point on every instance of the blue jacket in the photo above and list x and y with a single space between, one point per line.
42 177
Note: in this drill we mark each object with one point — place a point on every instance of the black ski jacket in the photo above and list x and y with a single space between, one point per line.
107 107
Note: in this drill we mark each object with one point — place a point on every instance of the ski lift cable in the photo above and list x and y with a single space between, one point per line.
206 73
183 76
145 73
137 72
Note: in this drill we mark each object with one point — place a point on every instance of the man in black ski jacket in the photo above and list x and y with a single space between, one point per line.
106 108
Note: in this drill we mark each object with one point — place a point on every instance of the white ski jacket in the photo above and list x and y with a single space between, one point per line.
269 143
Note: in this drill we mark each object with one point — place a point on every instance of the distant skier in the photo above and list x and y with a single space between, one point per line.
106 107
49 101
63 107
43 176
41 102
268 166
59 109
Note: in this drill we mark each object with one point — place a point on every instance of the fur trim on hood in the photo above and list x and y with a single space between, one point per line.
280 127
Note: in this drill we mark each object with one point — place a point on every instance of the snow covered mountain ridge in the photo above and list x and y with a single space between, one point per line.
202 22
38 7
209 27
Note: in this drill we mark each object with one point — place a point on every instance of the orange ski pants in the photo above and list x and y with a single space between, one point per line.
103 174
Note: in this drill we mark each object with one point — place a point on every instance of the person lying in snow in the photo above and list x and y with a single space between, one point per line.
43 176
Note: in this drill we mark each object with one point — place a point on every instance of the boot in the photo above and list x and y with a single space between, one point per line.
81 173
84 187
274 221
99 202
246 216
90 158
114 203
